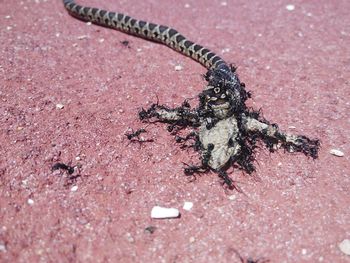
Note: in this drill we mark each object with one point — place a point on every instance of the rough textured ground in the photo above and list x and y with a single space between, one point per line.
293 209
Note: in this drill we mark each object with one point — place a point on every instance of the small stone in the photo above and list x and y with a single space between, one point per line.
30 201
344 246
74 188
88 23
223 3
178 67
232 197
225 50
163 212
25 183
59 106
304 251
8 17
101 40
82 37
130 238
290 7
336 152
187 206
192 239
2 247
187 6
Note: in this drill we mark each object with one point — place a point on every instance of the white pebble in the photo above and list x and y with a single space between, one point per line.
336 152
82 37
344 246
187 6
30 201
2 247
59 106
187 206
223 3
74 188
163 212
88 23
290 7
232 197
178 67
130 238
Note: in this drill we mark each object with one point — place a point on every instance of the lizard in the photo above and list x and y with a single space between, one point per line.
225 130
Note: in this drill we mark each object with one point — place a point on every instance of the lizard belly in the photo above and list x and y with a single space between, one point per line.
223 136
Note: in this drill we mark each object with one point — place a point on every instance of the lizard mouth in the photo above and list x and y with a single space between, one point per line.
215 101
220 102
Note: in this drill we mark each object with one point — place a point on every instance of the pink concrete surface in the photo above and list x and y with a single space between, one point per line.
296 63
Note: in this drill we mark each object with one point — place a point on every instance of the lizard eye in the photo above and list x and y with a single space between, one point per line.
217 90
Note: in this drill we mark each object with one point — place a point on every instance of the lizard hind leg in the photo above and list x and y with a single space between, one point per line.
273 137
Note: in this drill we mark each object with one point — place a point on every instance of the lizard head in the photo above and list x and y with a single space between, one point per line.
224 94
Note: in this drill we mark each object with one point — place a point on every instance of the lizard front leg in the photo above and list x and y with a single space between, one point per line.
272 136
181 116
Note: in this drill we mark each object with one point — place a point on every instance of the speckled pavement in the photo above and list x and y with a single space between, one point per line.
70 91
